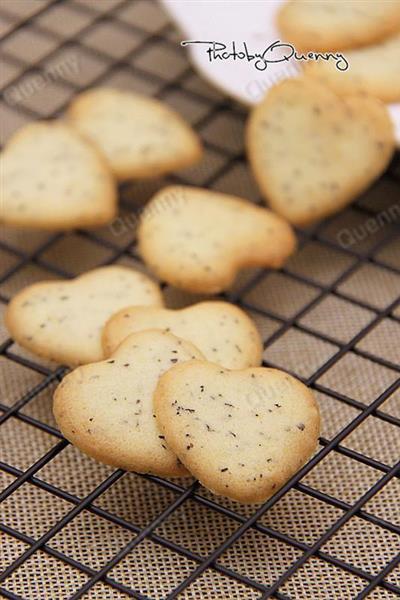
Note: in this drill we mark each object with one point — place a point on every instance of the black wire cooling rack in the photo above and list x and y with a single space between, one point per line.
116 38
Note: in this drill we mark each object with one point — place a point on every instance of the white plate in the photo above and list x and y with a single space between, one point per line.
249 21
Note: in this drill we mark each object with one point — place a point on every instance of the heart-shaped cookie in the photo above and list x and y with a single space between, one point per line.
243 434
374 70
327 25
106 408
139 136
52 178
221 331
198 239
63 320
313 152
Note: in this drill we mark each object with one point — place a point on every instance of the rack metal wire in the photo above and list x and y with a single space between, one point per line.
337 329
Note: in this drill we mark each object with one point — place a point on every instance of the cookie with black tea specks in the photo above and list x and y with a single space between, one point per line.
244 433
52 178
63 320
328 25
221 331
106 408
313 152
374 70
198 239
139 136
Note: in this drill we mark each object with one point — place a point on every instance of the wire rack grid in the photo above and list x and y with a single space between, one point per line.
71 528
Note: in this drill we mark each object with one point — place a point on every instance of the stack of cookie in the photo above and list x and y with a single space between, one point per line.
315 143
168 392
179 392
156 405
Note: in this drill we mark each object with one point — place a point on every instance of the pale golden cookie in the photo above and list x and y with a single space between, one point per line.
139 136
221 331
313 152
329 25
198 239
106 408
373 70
63 320
52 178
243 434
